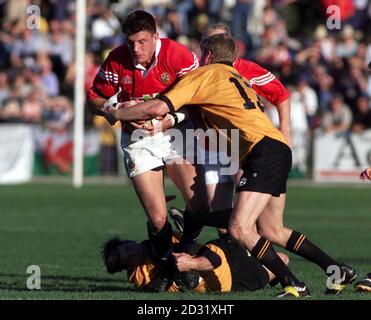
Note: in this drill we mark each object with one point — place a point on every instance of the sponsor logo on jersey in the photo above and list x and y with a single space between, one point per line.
165 77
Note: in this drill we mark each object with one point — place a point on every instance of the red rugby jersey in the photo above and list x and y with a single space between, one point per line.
172 60
262 81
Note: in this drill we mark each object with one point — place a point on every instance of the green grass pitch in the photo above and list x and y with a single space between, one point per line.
60 229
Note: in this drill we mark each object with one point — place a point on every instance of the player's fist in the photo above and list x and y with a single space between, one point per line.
183 261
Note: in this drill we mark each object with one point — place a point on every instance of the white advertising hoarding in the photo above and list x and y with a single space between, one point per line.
16 153
341 157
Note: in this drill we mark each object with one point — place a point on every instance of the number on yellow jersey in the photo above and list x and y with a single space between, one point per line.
248 103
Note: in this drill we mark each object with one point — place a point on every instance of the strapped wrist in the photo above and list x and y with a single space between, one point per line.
176 118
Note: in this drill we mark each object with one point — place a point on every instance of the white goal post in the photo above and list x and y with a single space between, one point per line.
79 103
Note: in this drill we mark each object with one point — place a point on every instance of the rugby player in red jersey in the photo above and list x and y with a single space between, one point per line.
142 68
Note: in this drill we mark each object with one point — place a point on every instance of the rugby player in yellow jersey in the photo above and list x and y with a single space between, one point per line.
228 102
224 266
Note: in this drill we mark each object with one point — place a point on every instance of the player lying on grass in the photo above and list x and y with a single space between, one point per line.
224 266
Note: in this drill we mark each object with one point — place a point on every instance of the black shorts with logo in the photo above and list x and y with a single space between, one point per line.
266 168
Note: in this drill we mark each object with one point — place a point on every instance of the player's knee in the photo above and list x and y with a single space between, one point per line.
274 234
236 232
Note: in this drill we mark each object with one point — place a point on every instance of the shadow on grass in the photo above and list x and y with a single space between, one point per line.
64 283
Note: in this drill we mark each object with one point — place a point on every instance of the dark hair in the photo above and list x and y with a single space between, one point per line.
107 249
137 21
222 47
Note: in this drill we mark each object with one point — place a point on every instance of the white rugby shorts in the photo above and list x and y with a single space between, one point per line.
149 152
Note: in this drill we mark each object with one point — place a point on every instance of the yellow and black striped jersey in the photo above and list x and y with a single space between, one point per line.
238 271
144 273
227 102
218 279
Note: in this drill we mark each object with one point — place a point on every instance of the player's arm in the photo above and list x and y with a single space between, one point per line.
284 110
206 260
181 94
167 122
105 89
269 87
187 91
184 262
146 110
98 106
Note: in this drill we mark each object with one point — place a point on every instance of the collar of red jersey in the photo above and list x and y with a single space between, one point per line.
157 51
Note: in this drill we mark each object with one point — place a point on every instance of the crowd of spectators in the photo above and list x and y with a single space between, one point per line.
325 68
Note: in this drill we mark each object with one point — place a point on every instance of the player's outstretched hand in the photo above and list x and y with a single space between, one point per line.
365 174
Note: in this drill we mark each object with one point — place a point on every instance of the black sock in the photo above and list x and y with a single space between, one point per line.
300 245
264 252
191 231
161 242
218 219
